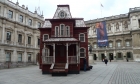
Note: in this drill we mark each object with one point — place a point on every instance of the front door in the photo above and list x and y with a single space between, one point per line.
110 56
60 55
102 56
95 57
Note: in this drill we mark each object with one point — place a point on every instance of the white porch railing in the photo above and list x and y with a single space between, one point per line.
47 60
72 60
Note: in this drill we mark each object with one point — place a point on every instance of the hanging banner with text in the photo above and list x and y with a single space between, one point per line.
102 39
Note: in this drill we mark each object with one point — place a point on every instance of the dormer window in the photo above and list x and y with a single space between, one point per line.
62 14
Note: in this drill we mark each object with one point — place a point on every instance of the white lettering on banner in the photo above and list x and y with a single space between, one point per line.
102 40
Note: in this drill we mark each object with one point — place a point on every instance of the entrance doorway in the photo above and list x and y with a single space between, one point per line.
128 55
111 56
102 56
95 58
60 54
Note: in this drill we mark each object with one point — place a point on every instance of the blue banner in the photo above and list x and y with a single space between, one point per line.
102 38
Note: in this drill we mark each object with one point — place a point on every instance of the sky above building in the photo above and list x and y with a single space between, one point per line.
87 9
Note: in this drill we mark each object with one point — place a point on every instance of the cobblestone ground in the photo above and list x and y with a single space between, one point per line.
113 73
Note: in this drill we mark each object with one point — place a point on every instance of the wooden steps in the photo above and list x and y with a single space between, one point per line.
59 69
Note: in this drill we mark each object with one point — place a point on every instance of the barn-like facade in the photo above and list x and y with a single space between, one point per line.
63 43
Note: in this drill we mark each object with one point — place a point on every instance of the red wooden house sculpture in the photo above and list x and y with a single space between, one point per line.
64 43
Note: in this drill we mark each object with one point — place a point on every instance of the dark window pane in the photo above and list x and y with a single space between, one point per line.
119 55
8 36
45 37
19 38
38 41
29 40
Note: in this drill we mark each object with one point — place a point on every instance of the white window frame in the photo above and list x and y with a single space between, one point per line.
30 40
10 15
79 37
39 24
110 44
94 45
119 44
21 19
30 56
68 29
21 57
21 38
57 31
30 23
127 45
82 52
44 35
63 30
10 35
10 56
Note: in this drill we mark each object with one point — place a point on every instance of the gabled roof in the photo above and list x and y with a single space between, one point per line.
64 8
79 22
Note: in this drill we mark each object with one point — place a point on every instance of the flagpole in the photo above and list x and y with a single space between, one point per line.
101 11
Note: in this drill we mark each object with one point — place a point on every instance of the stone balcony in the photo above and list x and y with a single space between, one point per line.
8 42
29 46
19 44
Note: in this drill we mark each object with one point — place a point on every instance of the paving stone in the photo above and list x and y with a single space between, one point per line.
113 73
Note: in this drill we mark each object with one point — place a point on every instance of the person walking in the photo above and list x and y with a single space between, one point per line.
85 64
110 59
106 61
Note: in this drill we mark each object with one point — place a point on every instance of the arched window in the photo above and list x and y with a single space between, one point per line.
62 26
125 25
82 37
56 31
67 31
117 26
8 56
82 52
109 27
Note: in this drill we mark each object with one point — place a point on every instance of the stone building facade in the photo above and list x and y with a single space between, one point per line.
123 35
19 34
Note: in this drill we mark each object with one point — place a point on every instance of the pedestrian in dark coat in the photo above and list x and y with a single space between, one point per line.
85 64
106 61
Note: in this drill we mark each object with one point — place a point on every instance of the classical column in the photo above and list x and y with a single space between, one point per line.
2 55
14 56
25 56
77 52
15 36
53 52
105 54
67 51
97 56
115 55
25 38
3 33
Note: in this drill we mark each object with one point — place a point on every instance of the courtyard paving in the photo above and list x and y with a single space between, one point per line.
113 73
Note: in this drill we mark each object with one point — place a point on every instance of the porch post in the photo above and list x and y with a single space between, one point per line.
53 52
67 51
77 53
